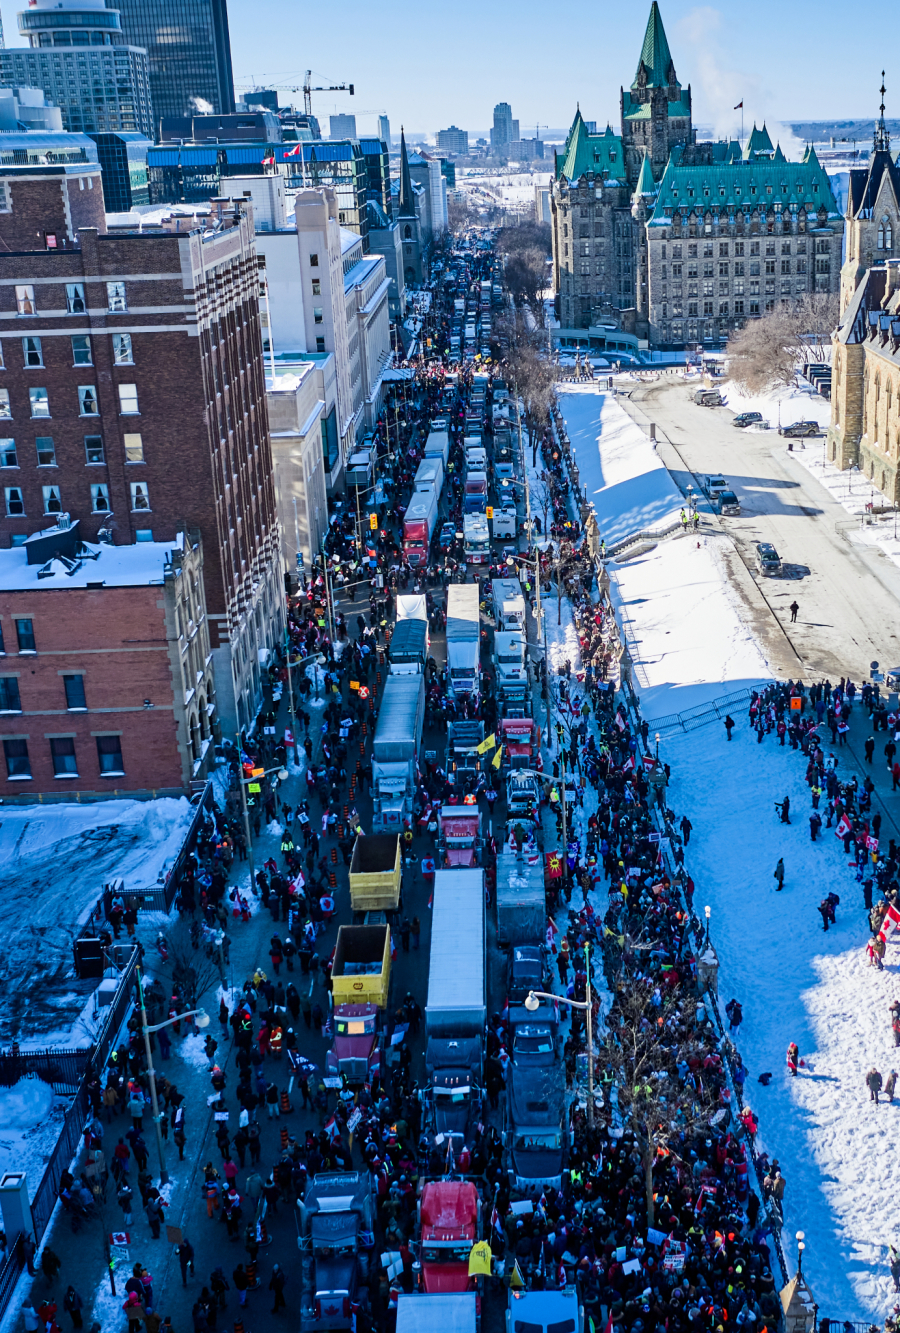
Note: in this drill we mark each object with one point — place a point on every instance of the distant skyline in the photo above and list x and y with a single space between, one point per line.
787 62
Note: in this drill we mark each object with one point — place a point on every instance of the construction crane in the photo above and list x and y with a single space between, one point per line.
307 89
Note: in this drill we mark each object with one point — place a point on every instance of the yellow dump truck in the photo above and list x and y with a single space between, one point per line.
375 873
362 965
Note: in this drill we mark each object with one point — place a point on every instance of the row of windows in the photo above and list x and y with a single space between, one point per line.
82 355
10 700
93 450
76 302
739 250
52 496
64 758
88 406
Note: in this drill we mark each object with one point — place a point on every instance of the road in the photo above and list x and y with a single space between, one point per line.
848 595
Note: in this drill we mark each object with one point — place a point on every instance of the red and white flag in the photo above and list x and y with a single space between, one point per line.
890 923
293 152
649 761
628 766
843 828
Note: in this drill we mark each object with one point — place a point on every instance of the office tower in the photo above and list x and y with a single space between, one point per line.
453 140
79 56
342 127
384 130
189 51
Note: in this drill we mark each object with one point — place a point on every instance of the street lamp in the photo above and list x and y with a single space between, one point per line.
801 1246
708 913
254 777
201 1019
657 747
533 1001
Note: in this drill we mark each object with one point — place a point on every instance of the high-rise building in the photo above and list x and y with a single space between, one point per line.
342 127
384 130
126 176
453 140
505 130
189 52
135 401
79 56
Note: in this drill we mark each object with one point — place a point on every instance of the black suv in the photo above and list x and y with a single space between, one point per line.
748 419
801 428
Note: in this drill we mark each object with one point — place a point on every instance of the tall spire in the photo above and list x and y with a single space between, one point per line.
655 55
405 202
882 140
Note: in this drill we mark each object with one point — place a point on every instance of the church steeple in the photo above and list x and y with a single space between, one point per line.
882 140
656 58
406 204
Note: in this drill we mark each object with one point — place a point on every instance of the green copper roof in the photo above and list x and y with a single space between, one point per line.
586 152
632 110
655 55
743 186
645 183
759 142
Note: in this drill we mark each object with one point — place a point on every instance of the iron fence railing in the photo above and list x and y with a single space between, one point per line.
61 1070
47 1193
701 714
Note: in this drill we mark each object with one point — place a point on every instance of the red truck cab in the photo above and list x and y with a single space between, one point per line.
520 741
356 1051
449 1214
459 831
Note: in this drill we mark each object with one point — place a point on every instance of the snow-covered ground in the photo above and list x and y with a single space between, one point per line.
31 1117
800 403
682 626
626 482
855 493
54 861
796 983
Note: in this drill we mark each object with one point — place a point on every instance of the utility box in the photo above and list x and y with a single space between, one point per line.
14 1205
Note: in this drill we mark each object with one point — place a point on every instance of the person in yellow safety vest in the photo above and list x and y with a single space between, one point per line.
276 1038
554 796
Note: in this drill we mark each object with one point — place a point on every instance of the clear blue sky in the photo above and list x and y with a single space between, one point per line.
429 66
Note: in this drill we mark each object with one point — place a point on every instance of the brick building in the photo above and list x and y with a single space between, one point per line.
133 398
106 681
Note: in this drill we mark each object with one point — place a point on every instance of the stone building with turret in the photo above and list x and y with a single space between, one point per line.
661 241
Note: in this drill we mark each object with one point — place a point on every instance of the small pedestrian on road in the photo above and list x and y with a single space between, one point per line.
729 725
276 1286
72 1302
873 1083
779 874
794 608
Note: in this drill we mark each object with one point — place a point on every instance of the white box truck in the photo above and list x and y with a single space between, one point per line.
463 638
457 995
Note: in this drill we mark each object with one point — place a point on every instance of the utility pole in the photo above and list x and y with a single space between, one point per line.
590 1038
246 813
291 693
151 1073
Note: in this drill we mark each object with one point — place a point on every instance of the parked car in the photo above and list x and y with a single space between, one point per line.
768 561
727 503
748 419
713 484
708 397
800 428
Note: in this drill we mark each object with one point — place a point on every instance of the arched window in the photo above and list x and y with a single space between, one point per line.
885 234
887 396
407 232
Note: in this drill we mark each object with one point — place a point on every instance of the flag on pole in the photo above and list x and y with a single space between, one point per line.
843 828
269 161
293 152
487 744
480 1259
332 1130
495 762
740 105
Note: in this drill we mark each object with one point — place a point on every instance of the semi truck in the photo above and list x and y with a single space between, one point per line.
453 1066
476 539
464 735
438 446
511 673
439 1312
394 749
375 872
459 835
430 472
475 493
509 605
408 652
521 742
521 901
457 996
535 1125
449 1213
463 639
335 1229
362 971
419 524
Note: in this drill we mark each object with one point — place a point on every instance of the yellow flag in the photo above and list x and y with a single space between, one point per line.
515 1277
480 1259
487 744
497 757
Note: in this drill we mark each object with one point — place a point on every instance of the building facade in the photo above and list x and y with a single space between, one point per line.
79 57
342 126
302 401
133 362
663 241
188 51
126 177
453 141
504 131
106 681
411 230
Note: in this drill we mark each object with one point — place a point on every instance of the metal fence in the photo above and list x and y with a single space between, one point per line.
161 898
62 1070
10 1270
700 715
116 1013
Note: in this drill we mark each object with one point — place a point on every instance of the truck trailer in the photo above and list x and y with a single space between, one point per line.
457 998
463 639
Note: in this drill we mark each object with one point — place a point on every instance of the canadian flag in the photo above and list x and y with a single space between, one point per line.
843 828
628 766
649 761
890 923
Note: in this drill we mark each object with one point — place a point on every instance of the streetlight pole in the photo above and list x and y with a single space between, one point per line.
202 1022
243 782
532 1003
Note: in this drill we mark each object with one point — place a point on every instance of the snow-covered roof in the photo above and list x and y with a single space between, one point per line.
110 566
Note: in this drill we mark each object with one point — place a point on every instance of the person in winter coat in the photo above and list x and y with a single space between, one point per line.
185 1252
873 1083
779 874
735 1014
890 1085
729 725
784 807
72 1304
154 1210
239 1278
815 823
793 1058
276 1286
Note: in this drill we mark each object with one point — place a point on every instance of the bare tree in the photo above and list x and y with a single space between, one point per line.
527 247
768 352
531 373
191 971
458 215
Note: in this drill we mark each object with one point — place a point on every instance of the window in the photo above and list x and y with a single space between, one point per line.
139 496
62 752
25 301
143 535
18 764
738 307
318 315
8 455
134 448
320 344
81 351
100 498
122 354
87 400
15 505
25 636
9 695
93 448
109 753
75 298
723 309
115 296
40 402
316 287
314 261
5 409
128 400
46 451
74 687
52 502
31 350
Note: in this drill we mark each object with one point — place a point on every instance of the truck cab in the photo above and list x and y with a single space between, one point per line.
521 742
459 835
335 1228
358 1043
453 1066
475 493
535 1125
505 521
522 793
449 1213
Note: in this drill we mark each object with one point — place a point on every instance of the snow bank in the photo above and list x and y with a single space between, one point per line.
31 1116
685 636
625 480
795 983
854 492
800 403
